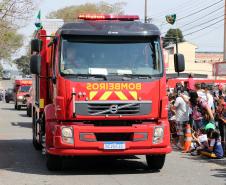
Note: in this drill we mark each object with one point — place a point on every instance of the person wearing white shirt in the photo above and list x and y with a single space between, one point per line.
182 116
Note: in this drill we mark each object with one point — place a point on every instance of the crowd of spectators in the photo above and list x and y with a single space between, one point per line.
201 108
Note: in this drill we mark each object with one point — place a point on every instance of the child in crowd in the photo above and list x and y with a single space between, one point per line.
215 149
201 141
209 144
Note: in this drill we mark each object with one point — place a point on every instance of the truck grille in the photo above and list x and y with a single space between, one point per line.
114 136
114 109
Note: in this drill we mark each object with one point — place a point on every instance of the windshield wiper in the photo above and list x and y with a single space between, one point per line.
140 76
87 76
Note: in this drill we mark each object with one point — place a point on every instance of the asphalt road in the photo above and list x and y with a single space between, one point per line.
20 164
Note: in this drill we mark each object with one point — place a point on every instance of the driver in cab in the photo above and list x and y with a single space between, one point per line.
71 61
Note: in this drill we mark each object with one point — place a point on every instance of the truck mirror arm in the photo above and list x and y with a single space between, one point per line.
54 79
48 77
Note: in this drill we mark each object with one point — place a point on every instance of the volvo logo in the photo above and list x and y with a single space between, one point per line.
113 109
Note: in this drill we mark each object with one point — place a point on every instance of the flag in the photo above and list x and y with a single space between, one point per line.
38 22
171 18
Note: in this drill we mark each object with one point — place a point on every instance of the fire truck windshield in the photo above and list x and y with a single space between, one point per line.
111 58
24 88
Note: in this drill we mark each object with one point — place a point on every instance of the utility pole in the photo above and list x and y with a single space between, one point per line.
146 11
224 31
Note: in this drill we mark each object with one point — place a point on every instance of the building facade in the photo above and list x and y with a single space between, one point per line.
195 62
208 57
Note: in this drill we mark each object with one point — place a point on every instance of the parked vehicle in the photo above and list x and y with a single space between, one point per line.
100 89
9 95
21 88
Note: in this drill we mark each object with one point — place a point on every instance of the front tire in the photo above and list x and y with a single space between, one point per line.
29 111
155 162
54 163
36 144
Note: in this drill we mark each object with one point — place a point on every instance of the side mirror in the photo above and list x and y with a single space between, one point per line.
36 45
35 64
179 63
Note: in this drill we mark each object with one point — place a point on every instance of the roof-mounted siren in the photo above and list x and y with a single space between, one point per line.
95 17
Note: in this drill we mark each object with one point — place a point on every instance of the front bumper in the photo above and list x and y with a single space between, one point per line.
22 102
80 147
95 152
10 98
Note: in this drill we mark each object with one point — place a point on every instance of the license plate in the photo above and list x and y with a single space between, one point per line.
114 146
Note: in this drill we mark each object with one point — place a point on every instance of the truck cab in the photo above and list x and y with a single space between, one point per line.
21 89
106 90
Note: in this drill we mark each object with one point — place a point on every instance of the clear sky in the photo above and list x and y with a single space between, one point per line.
192 15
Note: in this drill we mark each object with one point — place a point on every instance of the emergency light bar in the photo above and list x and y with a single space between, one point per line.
108 17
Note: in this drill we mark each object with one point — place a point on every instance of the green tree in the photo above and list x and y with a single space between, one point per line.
173 33
14 14
23 64
10 41
71 13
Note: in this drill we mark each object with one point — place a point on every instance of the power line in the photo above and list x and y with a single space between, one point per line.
197 12
180 6
193 13
209 31
203 23
203 16
204 27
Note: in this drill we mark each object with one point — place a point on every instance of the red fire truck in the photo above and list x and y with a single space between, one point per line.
100 89
21 89
171 83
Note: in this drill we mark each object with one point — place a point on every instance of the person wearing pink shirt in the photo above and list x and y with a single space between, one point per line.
191 83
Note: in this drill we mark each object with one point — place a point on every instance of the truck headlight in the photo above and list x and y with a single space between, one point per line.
158 135
20 97
67 135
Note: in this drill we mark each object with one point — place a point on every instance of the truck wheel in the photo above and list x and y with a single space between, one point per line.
155 162
36 145
54 163
29 111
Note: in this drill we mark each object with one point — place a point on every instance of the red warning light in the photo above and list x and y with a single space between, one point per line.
108 17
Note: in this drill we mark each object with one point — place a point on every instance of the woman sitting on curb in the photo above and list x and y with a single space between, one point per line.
212 147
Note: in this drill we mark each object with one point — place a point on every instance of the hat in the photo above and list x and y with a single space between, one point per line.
209 126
